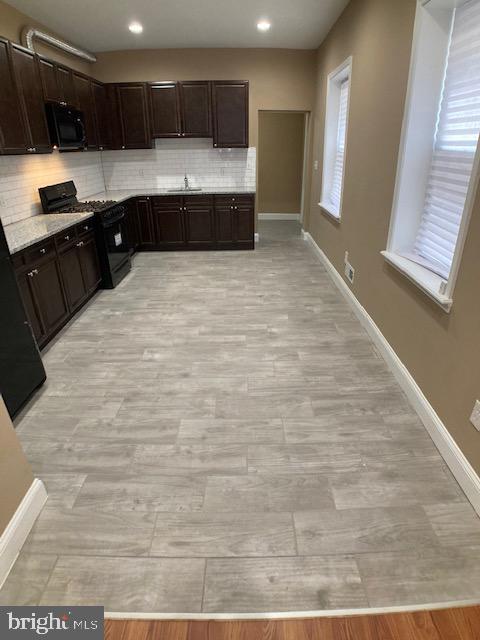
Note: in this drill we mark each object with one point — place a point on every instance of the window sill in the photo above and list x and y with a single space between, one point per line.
329 211
424 279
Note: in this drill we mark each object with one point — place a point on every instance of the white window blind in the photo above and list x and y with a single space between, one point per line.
455 146
335 194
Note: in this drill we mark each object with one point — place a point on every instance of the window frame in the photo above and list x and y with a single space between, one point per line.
332 113
439 289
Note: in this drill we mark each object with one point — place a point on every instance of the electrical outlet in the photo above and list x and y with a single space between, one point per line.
475 417
349 272
345 260
315 165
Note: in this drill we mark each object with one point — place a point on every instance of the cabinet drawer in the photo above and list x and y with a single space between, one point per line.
85 227
66 237
167 202
234 199
39 251
199 201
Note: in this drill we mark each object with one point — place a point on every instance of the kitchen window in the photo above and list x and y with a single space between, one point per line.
438 166
335 143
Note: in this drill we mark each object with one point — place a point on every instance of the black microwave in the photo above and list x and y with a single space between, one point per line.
66 127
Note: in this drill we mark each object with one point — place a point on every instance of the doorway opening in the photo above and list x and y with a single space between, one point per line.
282 148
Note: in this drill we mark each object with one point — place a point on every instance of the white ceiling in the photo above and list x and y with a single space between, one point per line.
101 25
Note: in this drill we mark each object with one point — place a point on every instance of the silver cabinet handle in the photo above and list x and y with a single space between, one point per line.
35 271
31 149
80 244
66 238
123 146
30 274
86 227
43 250
181 209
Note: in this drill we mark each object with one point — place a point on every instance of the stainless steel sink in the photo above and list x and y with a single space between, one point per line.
183 190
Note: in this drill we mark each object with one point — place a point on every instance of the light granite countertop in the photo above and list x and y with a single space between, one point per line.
23 234
120 195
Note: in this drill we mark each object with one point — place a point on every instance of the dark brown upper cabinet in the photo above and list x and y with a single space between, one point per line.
102 112
13 132
67 86
48 75
84 93
165 109
132 127
196 109
25 65
230 113
58 83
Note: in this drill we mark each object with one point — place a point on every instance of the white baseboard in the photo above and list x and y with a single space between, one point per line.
279 216
257 237
463 471
14 536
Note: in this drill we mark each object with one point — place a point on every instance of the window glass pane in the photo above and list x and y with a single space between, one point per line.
456 143
335 194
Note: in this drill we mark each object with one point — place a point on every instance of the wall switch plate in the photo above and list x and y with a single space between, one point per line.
315 165
349 272
345 260
475 417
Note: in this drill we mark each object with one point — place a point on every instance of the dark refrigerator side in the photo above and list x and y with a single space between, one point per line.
21 368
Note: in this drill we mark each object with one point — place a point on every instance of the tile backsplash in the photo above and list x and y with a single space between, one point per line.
165 166
20 177
93 172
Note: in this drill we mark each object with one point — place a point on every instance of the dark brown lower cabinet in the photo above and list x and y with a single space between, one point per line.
89 263
72 276
25 285
169 222
199 222
146 228
80 270
173 223
132 226
56 278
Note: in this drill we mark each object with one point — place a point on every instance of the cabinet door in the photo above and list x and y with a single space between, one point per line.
245 225
102 114
196 109
199 222
224 224
134 119
50 295
67 86
83 90
72 276
169 222
31 94
165 108
48 76
230 114
145 222
133 232
13 132
26 291
89 263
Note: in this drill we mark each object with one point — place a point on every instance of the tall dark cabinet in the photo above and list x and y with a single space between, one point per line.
195 104
13 133
131 129
165 109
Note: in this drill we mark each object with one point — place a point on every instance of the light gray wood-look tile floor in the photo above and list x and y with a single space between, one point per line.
219 434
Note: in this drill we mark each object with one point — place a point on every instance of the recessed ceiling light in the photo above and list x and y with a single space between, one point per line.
135 27
263 25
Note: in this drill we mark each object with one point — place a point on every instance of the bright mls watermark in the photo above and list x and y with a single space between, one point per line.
25 623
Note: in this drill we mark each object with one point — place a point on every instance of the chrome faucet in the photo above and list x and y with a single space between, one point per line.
187 186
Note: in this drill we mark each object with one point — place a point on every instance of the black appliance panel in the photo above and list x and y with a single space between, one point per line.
66 127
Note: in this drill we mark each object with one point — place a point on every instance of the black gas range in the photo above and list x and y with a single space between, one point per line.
110 227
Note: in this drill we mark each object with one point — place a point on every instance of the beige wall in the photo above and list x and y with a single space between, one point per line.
15 474
281 139
11 25
442 351
279 78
